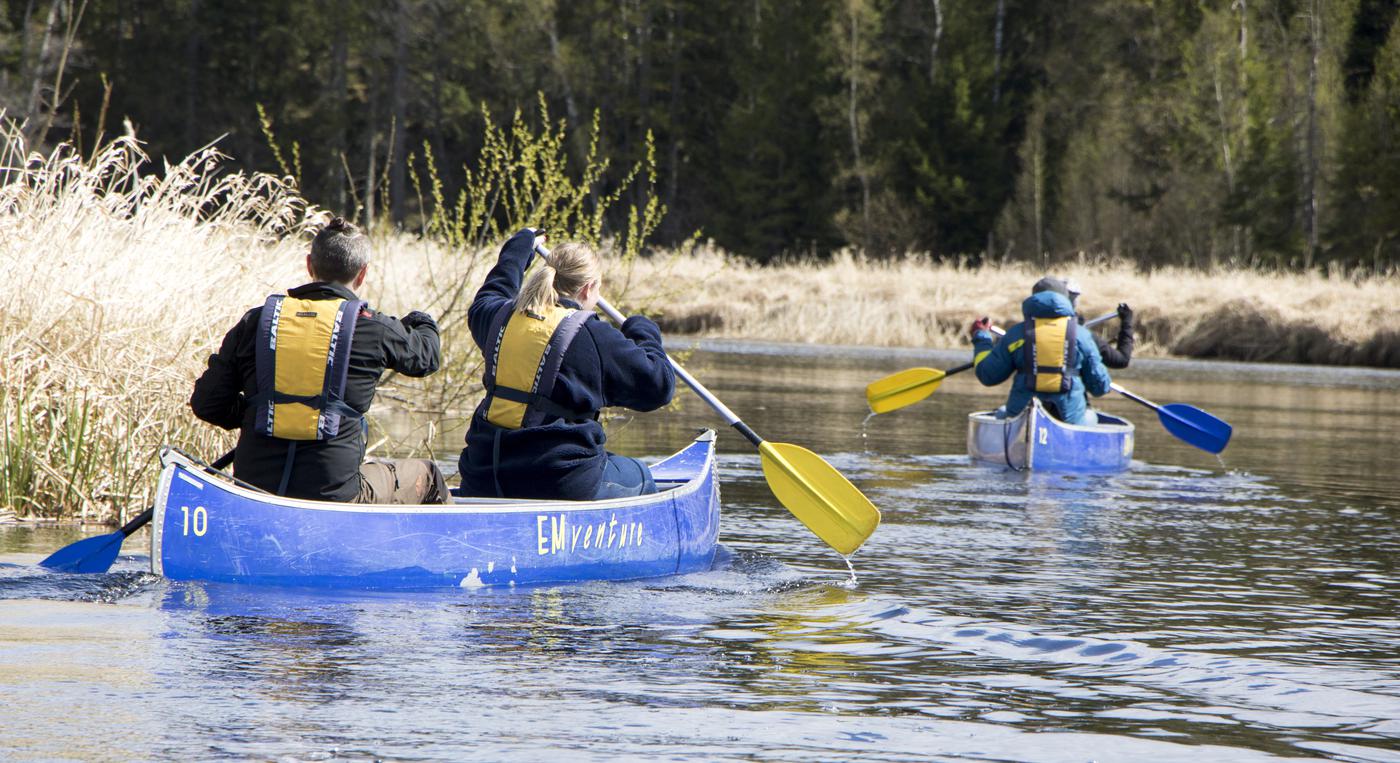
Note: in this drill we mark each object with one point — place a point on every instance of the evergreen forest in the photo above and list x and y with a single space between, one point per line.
1204 133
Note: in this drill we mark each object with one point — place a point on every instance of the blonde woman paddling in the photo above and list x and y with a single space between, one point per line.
550 365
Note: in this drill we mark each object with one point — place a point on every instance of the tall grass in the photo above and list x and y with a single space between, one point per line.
916 302
115 284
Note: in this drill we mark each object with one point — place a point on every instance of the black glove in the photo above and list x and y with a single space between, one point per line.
1125 314
417 318
640 327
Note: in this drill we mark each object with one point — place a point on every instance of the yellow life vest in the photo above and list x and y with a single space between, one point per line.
302 359
523 363
1051 353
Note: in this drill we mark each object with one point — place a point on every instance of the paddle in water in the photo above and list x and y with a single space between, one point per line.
826 502
911 385
1187 423
96 554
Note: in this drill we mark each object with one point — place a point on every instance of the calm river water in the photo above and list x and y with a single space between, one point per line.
1190 609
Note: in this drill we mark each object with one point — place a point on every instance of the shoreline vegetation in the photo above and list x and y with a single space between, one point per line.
118 283
1228 314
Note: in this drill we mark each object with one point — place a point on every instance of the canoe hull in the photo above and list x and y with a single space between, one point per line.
207 528
1038 441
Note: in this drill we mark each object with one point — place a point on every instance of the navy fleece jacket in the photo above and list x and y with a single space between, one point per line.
603 367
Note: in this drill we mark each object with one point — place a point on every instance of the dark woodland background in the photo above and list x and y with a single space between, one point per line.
1251 133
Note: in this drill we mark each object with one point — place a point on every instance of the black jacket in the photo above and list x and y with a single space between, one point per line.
603 367
1118 354
327 470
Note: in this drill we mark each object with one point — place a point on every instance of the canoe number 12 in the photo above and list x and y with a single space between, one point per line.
1044 436
199 518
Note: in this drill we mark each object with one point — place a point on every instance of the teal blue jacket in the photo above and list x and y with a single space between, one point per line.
997 361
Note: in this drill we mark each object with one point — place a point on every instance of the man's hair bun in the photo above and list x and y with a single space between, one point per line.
341 225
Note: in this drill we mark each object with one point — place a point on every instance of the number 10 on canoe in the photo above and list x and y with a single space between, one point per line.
801 480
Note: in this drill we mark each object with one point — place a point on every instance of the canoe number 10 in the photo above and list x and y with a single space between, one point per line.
199 518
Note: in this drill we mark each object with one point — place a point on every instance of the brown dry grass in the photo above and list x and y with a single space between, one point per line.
1282 317
112 286
116 285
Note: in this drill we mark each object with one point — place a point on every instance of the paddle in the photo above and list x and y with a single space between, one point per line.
914 384
805 484
96 554
1188 423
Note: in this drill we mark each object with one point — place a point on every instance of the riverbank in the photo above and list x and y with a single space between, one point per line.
1229 314
116 286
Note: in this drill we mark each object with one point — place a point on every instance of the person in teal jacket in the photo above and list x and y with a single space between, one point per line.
1056 362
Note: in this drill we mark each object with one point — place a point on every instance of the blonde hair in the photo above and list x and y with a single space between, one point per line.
570 266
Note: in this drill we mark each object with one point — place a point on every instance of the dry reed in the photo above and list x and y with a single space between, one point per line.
116 285
916 302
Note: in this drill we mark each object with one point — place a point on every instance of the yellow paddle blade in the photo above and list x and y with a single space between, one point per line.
903 388
818 495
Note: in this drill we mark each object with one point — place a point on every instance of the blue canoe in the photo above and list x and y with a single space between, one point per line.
208 528
1033 439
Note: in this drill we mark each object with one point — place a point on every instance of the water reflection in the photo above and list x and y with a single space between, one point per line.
1182 610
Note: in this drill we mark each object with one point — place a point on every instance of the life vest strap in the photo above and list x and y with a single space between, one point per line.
319 402
287 467
541 403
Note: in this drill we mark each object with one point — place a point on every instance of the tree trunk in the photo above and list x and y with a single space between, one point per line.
372 139
551 29
1226 157
852 114
26 64
340 135
193 44
937 37
673 154
398 99
996 52
1038 190
36 71
1310 171
70 35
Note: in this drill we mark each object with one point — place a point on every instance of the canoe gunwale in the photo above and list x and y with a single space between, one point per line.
687 477
1088 437
171 457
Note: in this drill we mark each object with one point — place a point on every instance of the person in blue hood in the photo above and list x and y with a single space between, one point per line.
550 364
1051 357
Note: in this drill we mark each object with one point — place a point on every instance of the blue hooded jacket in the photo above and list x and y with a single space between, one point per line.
996 362
604 366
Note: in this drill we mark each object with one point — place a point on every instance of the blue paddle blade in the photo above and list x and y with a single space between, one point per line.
94 554
1195 426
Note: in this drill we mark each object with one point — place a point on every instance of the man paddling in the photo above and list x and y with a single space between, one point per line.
297 374
1051 357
